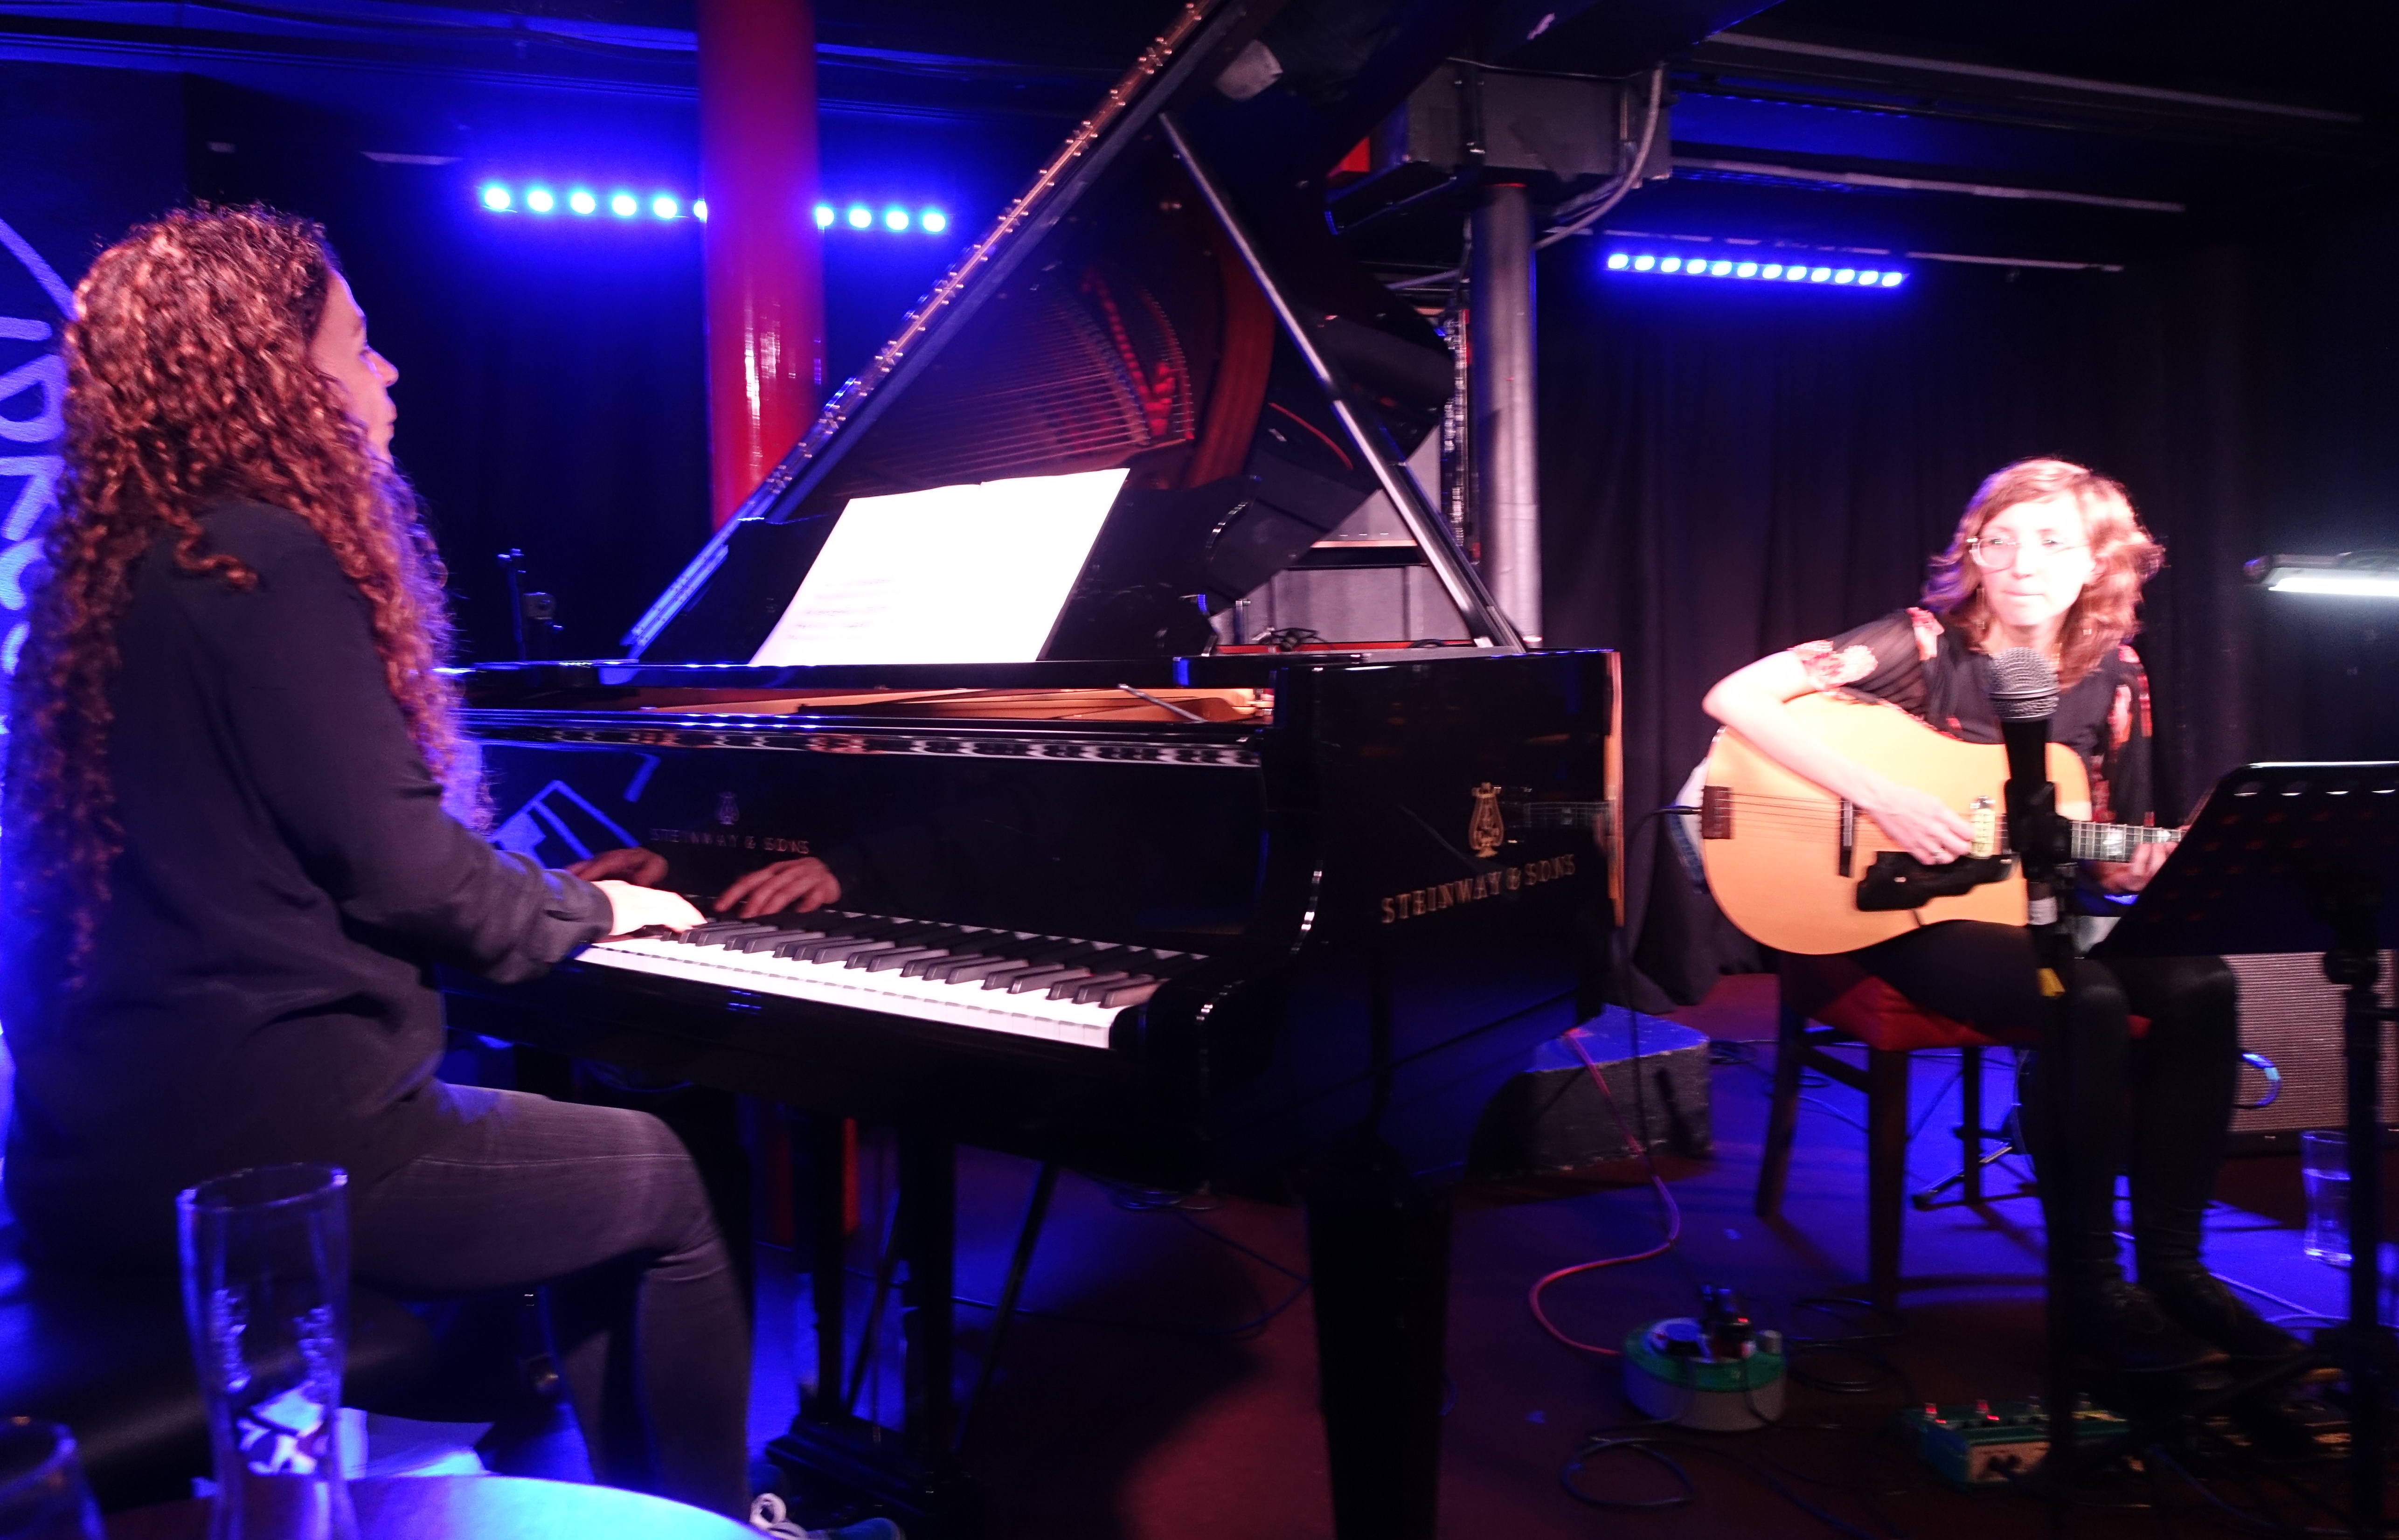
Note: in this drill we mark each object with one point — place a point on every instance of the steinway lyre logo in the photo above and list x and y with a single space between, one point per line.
728 812
1485 831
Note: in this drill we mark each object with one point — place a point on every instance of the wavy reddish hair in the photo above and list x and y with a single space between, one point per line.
189 382
2107 613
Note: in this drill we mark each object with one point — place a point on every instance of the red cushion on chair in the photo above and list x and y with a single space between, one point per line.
1835 991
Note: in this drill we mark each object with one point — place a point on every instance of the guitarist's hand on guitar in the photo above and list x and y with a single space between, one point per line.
1925 827
2133 875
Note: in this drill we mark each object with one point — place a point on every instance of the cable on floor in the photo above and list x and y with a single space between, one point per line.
1673 1225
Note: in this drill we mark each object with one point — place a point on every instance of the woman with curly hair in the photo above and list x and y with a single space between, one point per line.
231 867
2051 556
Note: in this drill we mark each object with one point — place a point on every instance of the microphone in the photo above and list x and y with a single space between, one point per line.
2024 696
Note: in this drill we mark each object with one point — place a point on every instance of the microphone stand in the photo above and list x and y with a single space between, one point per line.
2024 696
2037 837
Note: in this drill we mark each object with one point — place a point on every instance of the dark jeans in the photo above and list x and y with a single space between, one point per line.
604 1208
2158 1108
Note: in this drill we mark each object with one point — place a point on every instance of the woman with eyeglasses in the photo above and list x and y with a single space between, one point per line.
2050 555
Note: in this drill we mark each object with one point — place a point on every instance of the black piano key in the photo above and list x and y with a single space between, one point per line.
1130 993
1073 956
1037 978
886 962
769 940
717 933
984 958
1082 990
888 936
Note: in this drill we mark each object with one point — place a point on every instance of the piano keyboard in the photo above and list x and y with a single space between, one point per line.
1050 987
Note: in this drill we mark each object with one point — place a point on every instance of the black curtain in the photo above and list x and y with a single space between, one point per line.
1732 468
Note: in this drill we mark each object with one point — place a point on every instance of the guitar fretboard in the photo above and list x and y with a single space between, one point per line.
2106 842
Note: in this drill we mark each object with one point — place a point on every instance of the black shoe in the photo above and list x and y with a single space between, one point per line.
2121 1328
2199 1303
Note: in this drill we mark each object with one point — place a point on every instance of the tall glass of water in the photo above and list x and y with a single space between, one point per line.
42 1494
267 1277
2324 1165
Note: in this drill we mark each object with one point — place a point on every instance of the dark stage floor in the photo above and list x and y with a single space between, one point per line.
1136 1404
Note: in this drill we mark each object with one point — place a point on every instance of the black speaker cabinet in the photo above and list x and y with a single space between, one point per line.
2290 1017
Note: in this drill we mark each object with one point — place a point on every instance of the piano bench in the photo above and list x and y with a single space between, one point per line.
107 1355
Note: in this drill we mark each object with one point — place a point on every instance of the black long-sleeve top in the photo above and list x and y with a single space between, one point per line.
258 988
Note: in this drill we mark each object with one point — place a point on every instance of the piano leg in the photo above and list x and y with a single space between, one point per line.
839 1467
929 1187
818 1179
1378 1248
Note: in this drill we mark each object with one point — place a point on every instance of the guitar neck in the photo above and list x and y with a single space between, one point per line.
2112 841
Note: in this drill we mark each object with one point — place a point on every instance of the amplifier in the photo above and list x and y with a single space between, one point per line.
2290 1017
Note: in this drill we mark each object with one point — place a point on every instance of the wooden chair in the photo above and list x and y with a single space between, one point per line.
1829 1000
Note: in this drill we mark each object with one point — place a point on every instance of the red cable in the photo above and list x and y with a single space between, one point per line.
1673 1214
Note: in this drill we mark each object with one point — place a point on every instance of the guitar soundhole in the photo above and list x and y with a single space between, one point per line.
1716 812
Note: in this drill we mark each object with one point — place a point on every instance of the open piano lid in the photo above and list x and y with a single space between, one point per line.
1140 306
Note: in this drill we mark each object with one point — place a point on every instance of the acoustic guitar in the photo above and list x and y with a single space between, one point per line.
1800 870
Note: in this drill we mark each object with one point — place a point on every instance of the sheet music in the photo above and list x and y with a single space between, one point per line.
972 574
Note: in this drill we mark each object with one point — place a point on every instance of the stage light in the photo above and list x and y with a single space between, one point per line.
665 207
496 198
824 216
2351 575
932 221
538 200
624 205
859 216
700 209
895 219
582 202
1628 259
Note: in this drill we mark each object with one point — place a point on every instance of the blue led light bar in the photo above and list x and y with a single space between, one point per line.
535 197
1843 272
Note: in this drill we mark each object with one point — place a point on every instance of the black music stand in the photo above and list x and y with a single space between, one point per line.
2305 857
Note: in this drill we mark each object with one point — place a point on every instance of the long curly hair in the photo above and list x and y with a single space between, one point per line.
189 382
2107 613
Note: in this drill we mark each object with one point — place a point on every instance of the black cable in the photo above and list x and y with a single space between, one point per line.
1654 1449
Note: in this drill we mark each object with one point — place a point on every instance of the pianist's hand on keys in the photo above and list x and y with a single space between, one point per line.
634 908
803 885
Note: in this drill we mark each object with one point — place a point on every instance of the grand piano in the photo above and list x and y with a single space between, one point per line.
1160 904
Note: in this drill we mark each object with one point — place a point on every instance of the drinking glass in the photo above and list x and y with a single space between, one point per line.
2324 1165
42 1494
266 1278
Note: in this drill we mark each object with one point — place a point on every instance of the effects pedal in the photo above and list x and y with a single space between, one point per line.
1989 1443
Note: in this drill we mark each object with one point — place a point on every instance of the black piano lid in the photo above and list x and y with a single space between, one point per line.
1125 311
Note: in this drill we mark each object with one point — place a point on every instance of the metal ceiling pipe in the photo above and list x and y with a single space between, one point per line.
1505 439
764 271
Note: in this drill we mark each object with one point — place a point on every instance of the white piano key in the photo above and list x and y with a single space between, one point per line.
964 1004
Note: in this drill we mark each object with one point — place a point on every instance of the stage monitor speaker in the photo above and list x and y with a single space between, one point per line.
2290 1017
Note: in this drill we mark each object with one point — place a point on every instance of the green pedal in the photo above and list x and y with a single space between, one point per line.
1988 1444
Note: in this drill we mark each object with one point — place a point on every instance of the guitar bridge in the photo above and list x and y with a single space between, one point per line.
1716 812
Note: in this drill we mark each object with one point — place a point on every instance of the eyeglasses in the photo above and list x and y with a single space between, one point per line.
1998 551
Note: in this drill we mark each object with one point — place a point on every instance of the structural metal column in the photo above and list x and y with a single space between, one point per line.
765 273
1506 441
